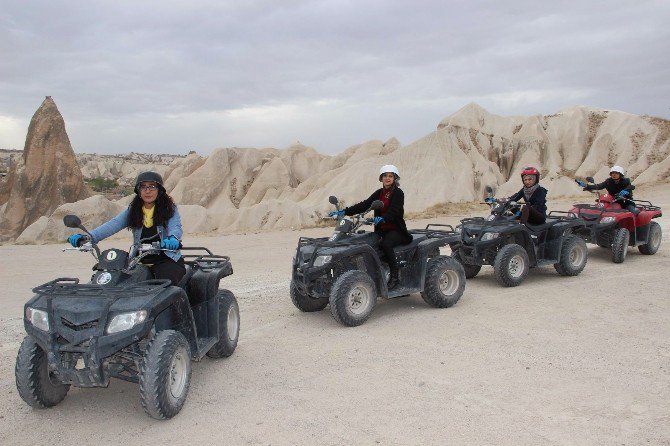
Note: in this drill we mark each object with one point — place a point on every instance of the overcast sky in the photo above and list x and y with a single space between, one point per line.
171 76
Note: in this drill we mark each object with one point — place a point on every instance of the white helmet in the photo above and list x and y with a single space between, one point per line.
389 168
617 169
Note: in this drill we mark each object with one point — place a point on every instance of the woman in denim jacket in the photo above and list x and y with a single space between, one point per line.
151 213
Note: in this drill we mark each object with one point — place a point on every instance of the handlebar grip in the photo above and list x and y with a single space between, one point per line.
83 240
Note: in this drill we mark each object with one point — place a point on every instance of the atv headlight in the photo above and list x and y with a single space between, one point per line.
606 220
39 318
322 260
126 321
489 236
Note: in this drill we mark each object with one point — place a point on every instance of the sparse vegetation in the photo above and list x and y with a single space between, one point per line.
100 184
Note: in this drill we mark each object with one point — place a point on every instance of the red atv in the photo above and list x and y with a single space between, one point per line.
610 226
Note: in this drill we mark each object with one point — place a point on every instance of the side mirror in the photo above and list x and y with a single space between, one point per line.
333 200
72 221
590 180
377 205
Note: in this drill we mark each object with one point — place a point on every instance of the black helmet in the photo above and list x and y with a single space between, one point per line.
149 176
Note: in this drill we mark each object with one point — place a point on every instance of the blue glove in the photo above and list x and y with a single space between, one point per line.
74 240
489 200
517 214
337 214
377 220
581 183
624 193
170 243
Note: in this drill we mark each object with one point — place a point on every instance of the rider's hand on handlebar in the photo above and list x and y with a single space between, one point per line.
170 243
624 193
337 214
377 220
580 183
489 200
76 240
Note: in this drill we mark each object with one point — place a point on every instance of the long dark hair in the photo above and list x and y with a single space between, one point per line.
163 211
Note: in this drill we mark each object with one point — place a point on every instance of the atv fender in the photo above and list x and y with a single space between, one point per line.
177 315
371 264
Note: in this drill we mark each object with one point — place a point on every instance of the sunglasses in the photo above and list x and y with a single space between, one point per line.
148 187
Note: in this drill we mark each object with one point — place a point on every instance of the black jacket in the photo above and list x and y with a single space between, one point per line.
538 200
614 188
394 214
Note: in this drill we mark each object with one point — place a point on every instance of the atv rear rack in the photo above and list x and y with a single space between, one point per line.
435 233
67 286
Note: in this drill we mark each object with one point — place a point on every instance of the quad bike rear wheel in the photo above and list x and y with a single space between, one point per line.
445 282
511 265
620 245
352 298
574 255
35 384
304 302
229 325
654 241
165 375
470 270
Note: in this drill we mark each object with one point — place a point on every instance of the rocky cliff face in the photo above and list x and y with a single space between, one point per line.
46 176
246 189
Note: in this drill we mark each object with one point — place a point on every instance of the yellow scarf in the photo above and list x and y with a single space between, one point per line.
148 216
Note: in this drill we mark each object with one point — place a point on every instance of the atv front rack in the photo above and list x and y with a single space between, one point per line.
67 286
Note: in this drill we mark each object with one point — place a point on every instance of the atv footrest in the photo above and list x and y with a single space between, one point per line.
204 345
402 291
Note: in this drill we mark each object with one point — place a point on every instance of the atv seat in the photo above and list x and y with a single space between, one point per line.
544 226
417 238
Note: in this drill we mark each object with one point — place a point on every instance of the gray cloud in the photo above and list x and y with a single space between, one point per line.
172 76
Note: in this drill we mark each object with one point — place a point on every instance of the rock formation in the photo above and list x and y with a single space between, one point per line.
238 189
46 176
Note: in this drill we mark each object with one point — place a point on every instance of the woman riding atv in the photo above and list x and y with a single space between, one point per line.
535 196
389 222
151 213
616 184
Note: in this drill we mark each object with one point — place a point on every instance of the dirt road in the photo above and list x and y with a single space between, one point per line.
556 361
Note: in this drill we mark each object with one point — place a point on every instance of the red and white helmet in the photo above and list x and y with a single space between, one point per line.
531 171
389 168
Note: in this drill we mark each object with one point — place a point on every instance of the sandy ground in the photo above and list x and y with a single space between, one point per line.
556 361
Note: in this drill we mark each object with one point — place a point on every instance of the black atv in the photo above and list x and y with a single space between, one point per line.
124 324
347 270
512 248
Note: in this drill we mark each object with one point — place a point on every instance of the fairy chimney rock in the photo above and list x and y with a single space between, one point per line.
46 177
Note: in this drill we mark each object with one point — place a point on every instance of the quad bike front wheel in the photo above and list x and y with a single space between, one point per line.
305 303
654 241
511 265
574 255
229 325
445 282
165 375
35 384
470 270
352 298
620 245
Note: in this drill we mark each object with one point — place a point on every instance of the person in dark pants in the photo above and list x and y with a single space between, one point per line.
616 184
389 221
152 213
535 196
